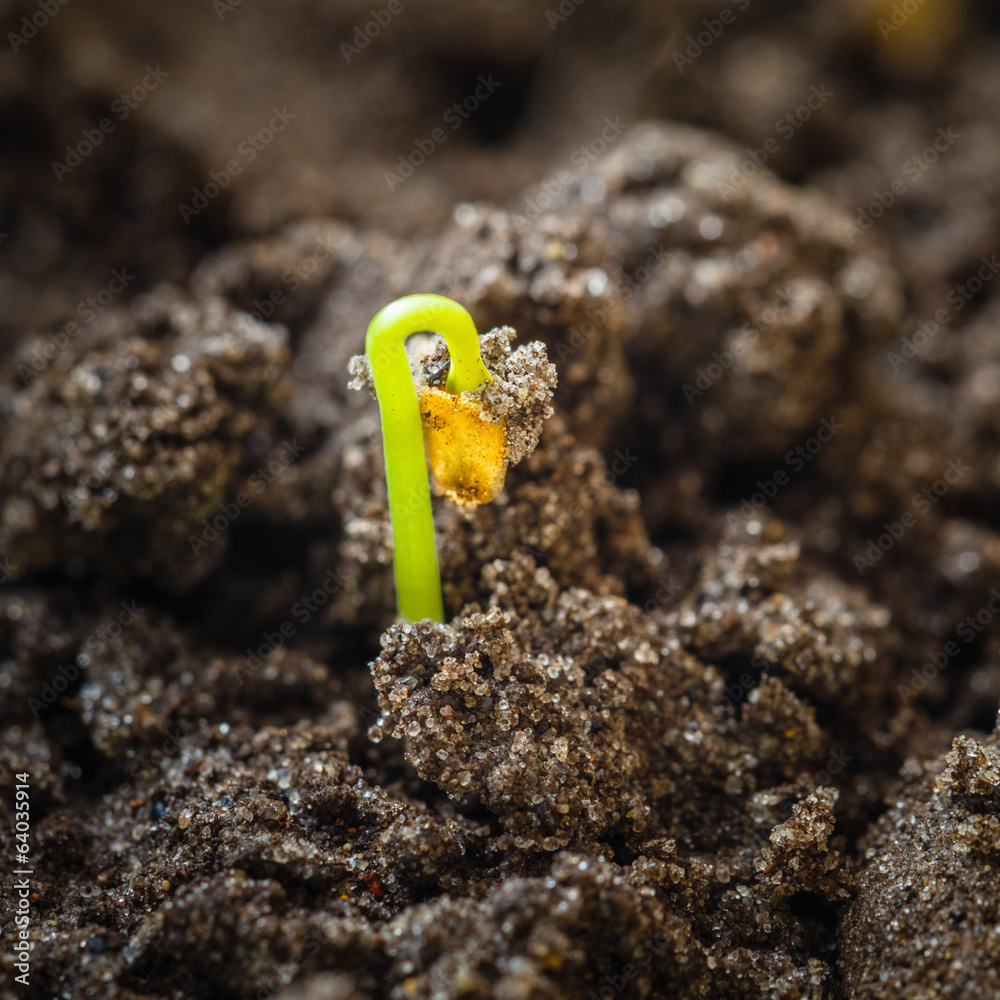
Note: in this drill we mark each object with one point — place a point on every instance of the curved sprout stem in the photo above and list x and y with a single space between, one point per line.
418 581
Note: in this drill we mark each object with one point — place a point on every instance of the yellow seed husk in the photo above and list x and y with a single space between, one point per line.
466 454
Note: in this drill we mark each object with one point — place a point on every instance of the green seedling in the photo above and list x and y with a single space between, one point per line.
451 426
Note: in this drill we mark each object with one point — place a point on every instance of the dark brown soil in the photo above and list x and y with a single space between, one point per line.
714 714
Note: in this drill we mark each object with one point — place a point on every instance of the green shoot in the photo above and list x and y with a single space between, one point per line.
418 580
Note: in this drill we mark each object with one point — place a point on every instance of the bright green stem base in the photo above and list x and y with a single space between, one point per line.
418 581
